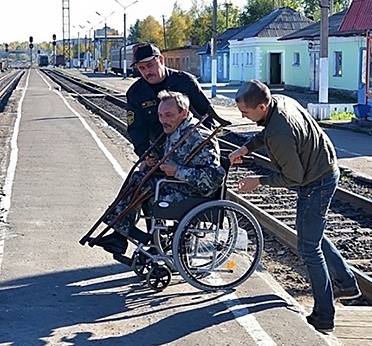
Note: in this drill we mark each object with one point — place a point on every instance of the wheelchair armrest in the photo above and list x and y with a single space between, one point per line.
160 182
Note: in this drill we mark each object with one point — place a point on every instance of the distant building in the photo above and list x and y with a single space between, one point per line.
183 58
302 50
256 52
223 57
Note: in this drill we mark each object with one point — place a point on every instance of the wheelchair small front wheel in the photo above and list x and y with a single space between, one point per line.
141 264
159 278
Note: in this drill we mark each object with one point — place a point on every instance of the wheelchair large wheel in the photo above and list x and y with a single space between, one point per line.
217 245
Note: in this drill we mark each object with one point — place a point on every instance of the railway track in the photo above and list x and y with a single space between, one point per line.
349 226
8 83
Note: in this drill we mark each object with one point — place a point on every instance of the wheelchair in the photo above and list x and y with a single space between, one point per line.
212 243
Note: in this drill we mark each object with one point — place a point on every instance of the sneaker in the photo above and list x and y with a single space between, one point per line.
348 293
321 325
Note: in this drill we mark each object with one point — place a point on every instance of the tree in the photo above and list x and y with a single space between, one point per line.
151 31
231 15
313 10
255 10
201 30
135 32
178 28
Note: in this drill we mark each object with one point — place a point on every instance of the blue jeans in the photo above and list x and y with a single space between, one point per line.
321 257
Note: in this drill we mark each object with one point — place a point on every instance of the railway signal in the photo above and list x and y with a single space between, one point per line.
6 51
31 45
54 37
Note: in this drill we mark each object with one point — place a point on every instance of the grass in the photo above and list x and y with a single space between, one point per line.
342 116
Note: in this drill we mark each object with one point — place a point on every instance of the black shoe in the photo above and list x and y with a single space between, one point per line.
349 293
321 325
139 235
114 243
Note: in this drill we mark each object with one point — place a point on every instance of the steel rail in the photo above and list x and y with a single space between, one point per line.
8 88
84 99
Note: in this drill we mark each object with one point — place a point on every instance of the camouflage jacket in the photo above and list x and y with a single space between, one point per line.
203 175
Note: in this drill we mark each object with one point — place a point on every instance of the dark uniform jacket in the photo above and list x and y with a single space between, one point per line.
295 143
142 108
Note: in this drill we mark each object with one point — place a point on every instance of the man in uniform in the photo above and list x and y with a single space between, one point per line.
142 108
202 175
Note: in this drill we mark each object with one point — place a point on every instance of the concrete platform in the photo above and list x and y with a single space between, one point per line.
68 167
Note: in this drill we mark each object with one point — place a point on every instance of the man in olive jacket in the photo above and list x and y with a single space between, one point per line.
307 162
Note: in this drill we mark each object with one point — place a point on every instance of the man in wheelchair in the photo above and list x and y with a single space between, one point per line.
191 155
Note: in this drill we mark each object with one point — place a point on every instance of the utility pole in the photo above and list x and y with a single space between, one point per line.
323 56
78 49
66 32
164 36
227 8
214 50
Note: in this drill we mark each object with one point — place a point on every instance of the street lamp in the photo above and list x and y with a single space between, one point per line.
79 60
89 37
92 51
105 19
78 42
125 37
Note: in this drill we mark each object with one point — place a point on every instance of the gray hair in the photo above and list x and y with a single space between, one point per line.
182 101
253 93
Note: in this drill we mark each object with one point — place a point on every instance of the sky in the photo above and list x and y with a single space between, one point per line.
21 19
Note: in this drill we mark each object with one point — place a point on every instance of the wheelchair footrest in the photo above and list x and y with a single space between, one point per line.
123 259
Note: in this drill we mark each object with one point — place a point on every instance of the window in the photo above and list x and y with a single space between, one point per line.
296 59
338 64
219 63
249 58
235 59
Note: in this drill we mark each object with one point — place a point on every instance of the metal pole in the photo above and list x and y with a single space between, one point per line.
213 50
86 53
323 56
78 49
105 48
94 51
165 37
227 5
125 47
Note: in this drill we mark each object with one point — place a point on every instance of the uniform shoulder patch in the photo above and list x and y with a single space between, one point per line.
130 117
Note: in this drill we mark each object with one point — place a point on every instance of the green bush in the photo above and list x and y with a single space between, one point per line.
342 116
